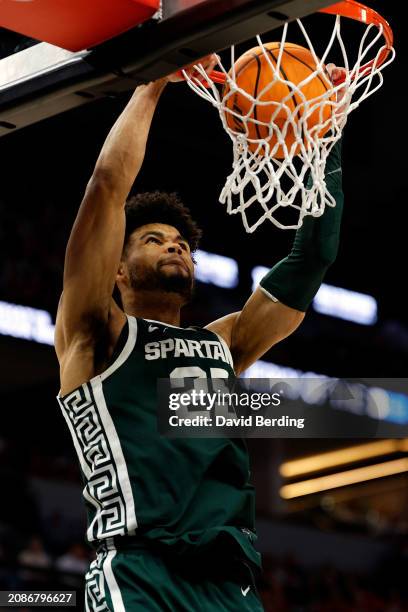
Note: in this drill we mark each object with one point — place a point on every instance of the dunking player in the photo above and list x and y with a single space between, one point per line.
172 520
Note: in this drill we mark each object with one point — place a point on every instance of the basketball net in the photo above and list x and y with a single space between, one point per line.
261 184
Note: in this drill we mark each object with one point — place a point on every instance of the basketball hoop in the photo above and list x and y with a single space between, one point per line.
283 132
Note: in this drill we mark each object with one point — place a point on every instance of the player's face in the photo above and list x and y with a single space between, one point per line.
158 257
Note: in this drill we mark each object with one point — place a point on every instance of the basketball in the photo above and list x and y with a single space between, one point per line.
254 71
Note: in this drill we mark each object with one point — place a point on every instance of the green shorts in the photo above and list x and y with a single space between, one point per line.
144 580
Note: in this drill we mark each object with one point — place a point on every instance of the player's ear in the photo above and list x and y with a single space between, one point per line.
122 272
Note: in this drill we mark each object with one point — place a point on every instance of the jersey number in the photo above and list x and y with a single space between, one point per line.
178 375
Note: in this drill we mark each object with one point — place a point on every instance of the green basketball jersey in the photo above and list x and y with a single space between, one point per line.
183 493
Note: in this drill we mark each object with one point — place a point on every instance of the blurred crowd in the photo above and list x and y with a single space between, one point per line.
35 565
288 587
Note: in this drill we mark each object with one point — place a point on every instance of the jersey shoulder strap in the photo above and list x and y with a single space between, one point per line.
124 346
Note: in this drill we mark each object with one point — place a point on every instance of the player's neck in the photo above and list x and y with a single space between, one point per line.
164 307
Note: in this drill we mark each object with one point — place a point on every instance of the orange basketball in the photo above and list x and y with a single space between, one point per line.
253 73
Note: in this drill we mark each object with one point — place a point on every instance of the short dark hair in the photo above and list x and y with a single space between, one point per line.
161 207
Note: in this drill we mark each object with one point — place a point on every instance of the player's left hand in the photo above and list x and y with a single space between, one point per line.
336 73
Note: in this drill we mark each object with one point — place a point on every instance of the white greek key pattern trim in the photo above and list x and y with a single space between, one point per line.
101 458
95 586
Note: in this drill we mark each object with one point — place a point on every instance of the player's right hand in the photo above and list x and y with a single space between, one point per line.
208 63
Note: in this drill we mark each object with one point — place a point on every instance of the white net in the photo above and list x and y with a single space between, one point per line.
281 141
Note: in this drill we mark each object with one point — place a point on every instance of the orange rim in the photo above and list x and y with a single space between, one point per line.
358 12
364 14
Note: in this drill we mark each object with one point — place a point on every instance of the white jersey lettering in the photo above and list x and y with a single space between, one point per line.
152 350
195 346
180 347
167 346
218 352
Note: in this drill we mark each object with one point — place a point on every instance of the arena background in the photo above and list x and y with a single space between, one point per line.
345 549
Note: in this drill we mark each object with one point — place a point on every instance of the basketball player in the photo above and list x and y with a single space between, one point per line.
172 520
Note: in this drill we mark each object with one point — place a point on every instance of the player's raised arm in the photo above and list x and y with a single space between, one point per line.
278 305
94 247
95 244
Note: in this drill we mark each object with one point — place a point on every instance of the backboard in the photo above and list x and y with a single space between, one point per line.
45 80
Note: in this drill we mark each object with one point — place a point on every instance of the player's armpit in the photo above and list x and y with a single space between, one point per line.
253 331
59 336
223 327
